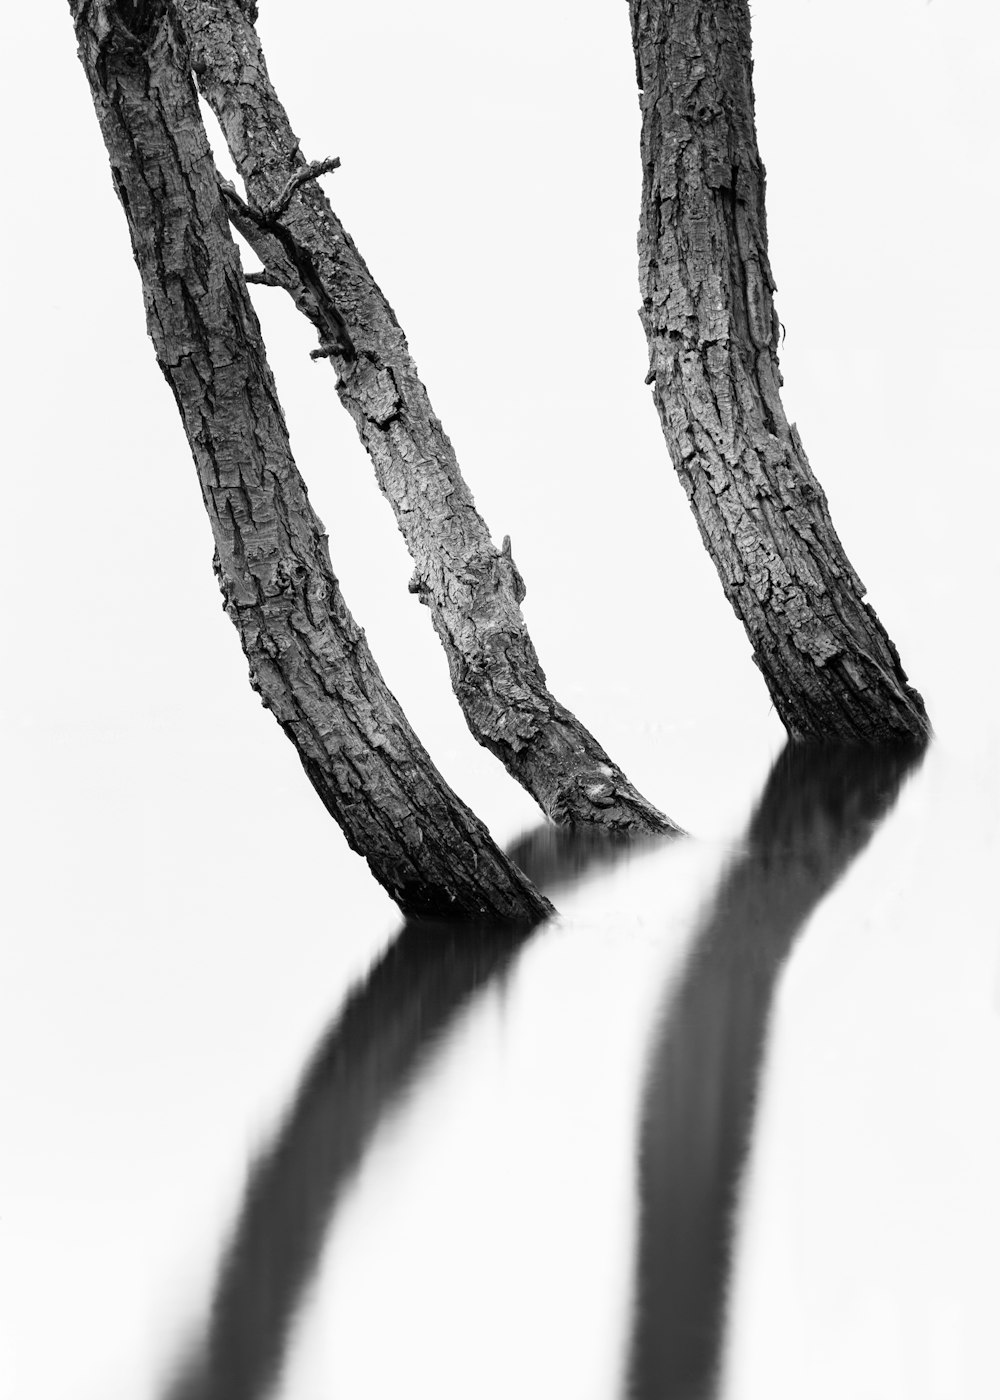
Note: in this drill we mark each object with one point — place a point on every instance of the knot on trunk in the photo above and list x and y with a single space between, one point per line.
288 576
419 585
510 573
132 26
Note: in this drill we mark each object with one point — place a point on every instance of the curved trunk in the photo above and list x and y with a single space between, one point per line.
308 659
712 331
473 589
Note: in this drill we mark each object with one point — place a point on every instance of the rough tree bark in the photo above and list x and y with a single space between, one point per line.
308 659
712 331
473 590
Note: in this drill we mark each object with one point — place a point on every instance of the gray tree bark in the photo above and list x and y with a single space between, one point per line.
473 589
712 332
308 659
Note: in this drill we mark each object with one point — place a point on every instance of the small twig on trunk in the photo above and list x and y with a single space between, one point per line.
231 196
288 265
310 171
472 588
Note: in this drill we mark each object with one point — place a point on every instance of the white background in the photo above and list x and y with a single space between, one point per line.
180 916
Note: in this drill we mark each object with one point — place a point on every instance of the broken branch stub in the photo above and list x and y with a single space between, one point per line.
470 587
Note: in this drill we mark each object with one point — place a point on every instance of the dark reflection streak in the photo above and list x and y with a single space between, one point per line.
817 812
374 1052
554 856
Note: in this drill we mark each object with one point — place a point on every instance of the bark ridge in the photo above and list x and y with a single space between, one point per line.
472 589
308 658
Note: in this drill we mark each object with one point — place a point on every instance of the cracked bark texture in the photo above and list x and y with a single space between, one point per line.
308 659
473 589
712 331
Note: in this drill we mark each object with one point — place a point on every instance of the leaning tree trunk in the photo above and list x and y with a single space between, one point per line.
308 659
473 590
712 331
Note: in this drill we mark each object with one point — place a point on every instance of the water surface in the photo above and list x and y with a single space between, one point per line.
721 1129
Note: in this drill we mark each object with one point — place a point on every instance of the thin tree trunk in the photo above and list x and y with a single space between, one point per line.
308 659
712 331
473 590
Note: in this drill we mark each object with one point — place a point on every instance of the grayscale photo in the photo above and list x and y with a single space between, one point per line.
501 768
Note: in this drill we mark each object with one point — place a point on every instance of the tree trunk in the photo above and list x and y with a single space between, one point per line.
712 331
308 659
473 590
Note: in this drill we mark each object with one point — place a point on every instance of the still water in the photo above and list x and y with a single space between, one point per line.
727 1127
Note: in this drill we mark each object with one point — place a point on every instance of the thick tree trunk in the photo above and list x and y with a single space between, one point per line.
712 330
473 590
308 659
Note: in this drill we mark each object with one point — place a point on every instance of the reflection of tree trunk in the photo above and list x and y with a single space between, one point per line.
553 856
712 330
473 589
375 1052
308 659
818 811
